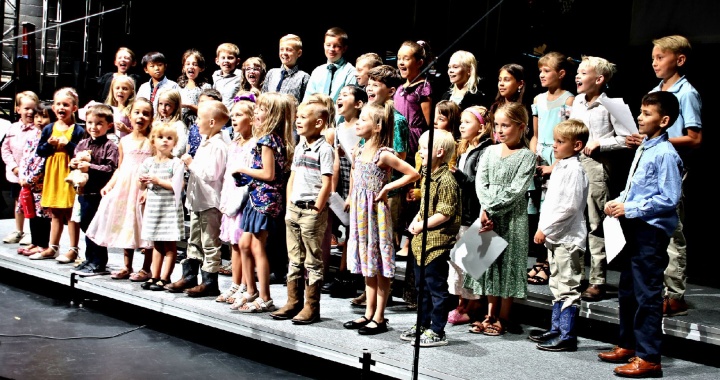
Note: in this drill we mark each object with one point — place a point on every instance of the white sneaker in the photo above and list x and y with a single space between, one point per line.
26 240
13 237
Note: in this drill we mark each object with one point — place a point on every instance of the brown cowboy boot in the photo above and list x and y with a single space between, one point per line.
311 311
190 269
294 301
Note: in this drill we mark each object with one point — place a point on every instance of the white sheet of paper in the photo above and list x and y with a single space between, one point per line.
348 140
614 237
474 253
621 111
337 205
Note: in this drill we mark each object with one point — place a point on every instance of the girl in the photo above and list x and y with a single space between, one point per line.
272 155
505 173
124 60
121 98
31 173
462 71
120 206
349 104
511 86
548 110
169 113
161 180
475 136
191 84
57 146
370 244
239 154
12 152
254 71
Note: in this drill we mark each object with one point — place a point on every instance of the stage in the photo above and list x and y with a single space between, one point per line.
468 356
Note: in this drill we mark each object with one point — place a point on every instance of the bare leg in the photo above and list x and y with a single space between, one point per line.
19 218
169 253
383 292
147 260
261 263
236 264
56 226
371 290
129 253
248 262
493 306
157 260
74 232
505 307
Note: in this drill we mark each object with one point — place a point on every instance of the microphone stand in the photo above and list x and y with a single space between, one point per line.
426 196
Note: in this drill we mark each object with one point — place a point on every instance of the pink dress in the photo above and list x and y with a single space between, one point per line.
230 230
119 216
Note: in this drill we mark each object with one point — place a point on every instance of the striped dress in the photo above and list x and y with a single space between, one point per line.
163 215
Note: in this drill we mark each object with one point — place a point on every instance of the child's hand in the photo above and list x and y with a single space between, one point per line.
16 170
453 169
410 196
53 141
83 166
187 159
105 190
23 183
539 237
145 178
121 127
486 224
347 205
143 197
591 147
416 227
382 195
544 170
615 209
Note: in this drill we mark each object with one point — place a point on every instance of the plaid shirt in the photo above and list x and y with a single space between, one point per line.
445 199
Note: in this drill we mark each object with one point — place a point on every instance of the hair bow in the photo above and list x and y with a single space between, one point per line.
249 97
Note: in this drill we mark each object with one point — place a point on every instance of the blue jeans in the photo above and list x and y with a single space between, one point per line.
94 253
432 302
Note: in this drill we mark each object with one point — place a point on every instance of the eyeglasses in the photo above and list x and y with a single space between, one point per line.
253 69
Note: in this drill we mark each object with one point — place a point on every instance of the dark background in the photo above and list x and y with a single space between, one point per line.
618 30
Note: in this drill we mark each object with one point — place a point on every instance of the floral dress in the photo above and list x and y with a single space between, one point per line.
32 171
370 248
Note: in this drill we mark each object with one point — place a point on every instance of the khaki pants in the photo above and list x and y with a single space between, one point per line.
204 241
565 273
598 173
305 233
675 284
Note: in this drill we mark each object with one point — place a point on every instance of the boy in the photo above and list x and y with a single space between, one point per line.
562 229
383 81
227 79
669 59
102 165
331 77
599 157
202 200
648 216
155 64
363 64
306 219
443 224
288 78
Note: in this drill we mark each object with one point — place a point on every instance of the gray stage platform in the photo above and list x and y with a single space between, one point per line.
468 356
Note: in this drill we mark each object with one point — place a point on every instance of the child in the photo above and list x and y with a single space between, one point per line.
239 154
227 79
462 71
288 78
443 224
548 109
607 138
161 181
203 199
511 86
670 55
331 77
120 98
155 64
102 165
194 138
121 225
647 210
475 137
191 83
31 175
57 145
506 170
124 61
274 117
12 151
563 231
363 64
371 249
307 213
169 113
253 78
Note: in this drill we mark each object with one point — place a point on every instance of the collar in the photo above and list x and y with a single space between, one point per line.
437 173
647 144
675 88
597 102
315 146
566 161
339 63
291 71
100 140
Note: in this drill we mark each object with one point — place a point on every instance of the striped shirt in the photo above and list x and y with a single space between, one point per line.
310 163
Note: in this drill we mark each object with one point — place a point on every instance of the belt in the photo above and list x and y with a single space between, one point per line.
307 205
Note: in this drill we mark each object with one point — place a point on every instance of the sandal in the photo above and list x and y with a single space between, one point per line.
50 253
243 300
478 327
537 279
536 268
122 274
30 252
457 317
23 249
241 290
69 257
497 328
140 276
223 297
159 285
360 300
257 306
147 284
225 270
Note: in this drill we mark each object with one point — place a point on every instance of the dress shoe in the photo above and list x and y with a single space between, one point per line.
593 293
544 336
558 344
352 325
617 355
379 328
639 368
673 307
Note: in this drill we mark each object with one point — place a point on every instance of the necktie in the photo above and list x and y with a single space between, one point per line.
154 92
331 68
633 167
283 73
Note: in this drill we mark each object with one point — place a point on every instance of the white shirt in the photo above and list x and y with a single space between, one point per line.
206 175
603 126
562 217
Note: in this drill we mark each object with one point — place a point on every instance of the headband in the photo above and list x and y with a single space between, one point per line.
249 97
477 115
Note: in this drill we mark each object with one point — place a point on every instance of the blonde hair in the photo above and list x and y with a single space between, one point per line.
26 94
173 96
162 129
573 129
518 114
243 106
133 59
280 119
469 63
441 140
372 59
229 48
110 100
218 111
293 40
326 107
147 101
676 44
384 116
486 132
601 66
68 92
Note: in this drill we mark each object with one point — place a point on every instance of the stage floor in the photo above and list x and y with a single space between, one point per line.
468 356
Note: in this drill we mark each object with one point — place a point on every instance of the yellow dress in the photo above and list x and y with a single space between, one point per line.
56 192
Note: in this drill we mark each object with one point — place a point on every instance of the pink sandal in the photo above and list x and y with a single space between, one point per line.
140 276
455 317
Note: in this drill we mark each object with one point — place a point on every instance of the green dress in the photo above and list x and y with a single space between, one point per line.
501 184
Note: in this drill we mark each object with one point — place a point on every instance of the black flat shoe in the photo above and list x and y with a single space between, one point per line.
158 285
378 329
352 325
147 284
